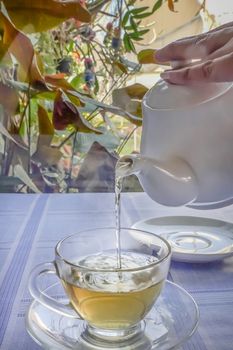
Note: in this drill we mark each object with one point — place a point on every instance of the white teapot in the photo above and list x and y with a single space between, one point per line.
186 155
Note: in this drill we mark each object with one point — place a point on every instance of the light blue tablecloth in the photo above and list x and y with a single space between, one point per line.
30 225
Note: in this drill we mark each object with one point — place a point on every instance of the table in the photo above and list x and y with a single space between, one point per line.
30 225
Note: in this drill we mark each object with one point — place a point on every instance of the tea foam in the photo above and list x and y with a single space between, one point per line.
122 281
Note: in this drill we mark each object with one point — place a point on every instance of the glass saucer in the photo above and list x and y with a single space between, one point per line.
172 320
193 239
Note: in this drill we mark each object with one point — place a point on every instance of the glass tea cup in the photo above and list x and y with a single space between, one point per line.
112 299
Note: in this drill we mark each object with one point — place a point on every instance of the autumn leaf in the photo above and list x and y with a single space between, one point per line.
129 99
42 15
45 125
23 176
5 132
46 129
148 56
66 113
4 54
122 97
171 5
135 108
20 46
121 67
47 155
9 98
58 81
136 90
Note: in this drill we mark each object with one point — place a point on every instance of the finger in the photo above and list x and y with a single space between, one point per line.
222 51
218 70
223 26
199 46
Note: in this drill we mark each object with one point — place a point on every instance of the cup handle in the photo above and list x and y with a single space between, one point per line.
40 296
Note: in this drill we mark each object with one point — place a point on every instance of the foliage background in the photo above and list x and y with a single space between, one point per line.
70 103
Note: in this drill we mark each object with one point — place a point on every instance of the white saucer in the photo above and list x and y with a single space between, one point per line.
170 323
193 239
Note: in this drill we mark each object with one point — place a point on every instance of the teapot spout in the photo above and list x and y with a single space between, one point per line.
129 165
171 182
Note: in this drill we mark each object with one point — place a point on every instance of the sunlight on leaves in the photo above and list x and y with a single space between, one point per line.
121 67
136 90
122 97
4 132
45 125
148 56
46 129
23 176
135 108
129 99
20 46
58 81
41 15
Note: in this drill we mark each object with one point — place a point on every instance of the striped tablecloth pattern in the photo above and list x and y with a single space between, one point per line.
30 226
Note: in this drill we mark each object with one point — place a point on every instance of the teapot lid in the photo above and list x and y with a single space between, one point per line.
168 96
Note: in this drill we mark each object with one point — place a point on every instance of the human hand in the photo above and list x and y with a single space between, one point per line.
212 53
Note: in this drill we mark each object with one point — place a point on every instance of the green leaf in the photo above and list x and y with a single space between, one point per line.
139 10
143 32
126 43
96 89
157 5
143 15
129 46
77 81
128 28
135 36
138 35
125 18
133 24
